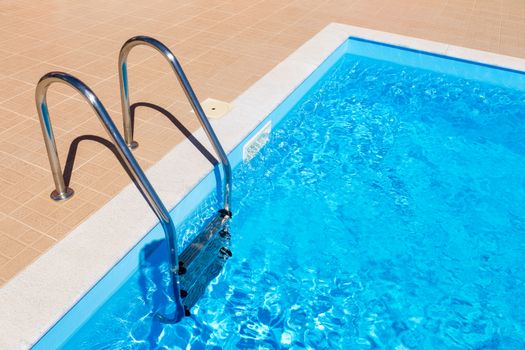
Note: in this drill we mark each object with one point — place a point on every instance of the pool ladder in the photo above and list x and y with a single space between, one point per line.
203 259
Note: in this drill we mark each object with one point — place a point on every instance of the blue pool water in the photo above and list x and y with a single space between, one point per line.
387 211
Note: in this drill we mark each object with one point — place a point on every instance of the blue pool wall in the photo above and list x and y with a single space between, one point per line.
461 68
116 277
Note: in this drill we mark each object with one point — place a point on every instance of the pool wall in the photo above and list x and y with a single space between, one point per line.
43 293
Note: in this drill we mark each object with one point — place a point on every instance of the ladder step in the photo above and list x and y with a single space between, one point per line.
201 241
204 259
203 279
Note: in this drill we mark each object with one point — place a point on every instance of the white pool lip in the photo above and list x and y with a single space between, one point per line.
38 296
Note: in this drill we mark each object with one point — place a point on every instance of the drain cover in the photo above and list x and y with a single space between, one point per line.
215 109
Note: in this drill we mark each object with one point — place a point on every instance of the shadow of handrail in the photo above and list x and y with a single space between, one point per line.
188 134
72 153
178 124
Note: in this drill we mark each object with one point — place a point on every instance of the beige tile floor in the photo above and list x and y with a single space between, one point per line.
224 45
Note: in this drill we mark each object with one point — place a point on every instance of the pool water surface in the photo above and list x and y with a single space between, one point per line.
387 211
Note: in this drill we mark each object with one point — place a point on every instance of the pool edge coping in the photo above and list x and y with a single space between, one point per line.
43 292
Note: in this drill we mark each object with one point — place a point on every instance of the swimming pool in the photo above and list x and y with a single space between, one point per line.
386 211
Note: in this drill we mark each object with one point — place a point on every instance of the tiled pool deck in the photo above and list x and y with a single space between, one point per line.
225 46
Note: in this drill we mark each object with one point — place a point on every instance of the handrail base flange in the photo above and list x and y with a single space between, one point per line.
57 196
133 145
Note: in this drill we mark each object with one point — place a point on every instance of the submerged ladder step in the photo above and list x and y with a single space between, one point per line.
201 241
211 266
204 259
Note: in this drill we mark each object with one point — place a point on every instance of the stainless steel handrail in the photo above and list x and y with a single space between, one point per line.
63 192
190 94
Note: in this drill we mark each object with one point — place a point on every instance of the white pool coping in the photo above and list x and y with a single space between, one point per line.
38 296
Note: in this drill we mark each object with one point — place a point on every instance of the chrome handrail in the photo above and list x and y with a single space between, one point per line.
190 94
63 192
